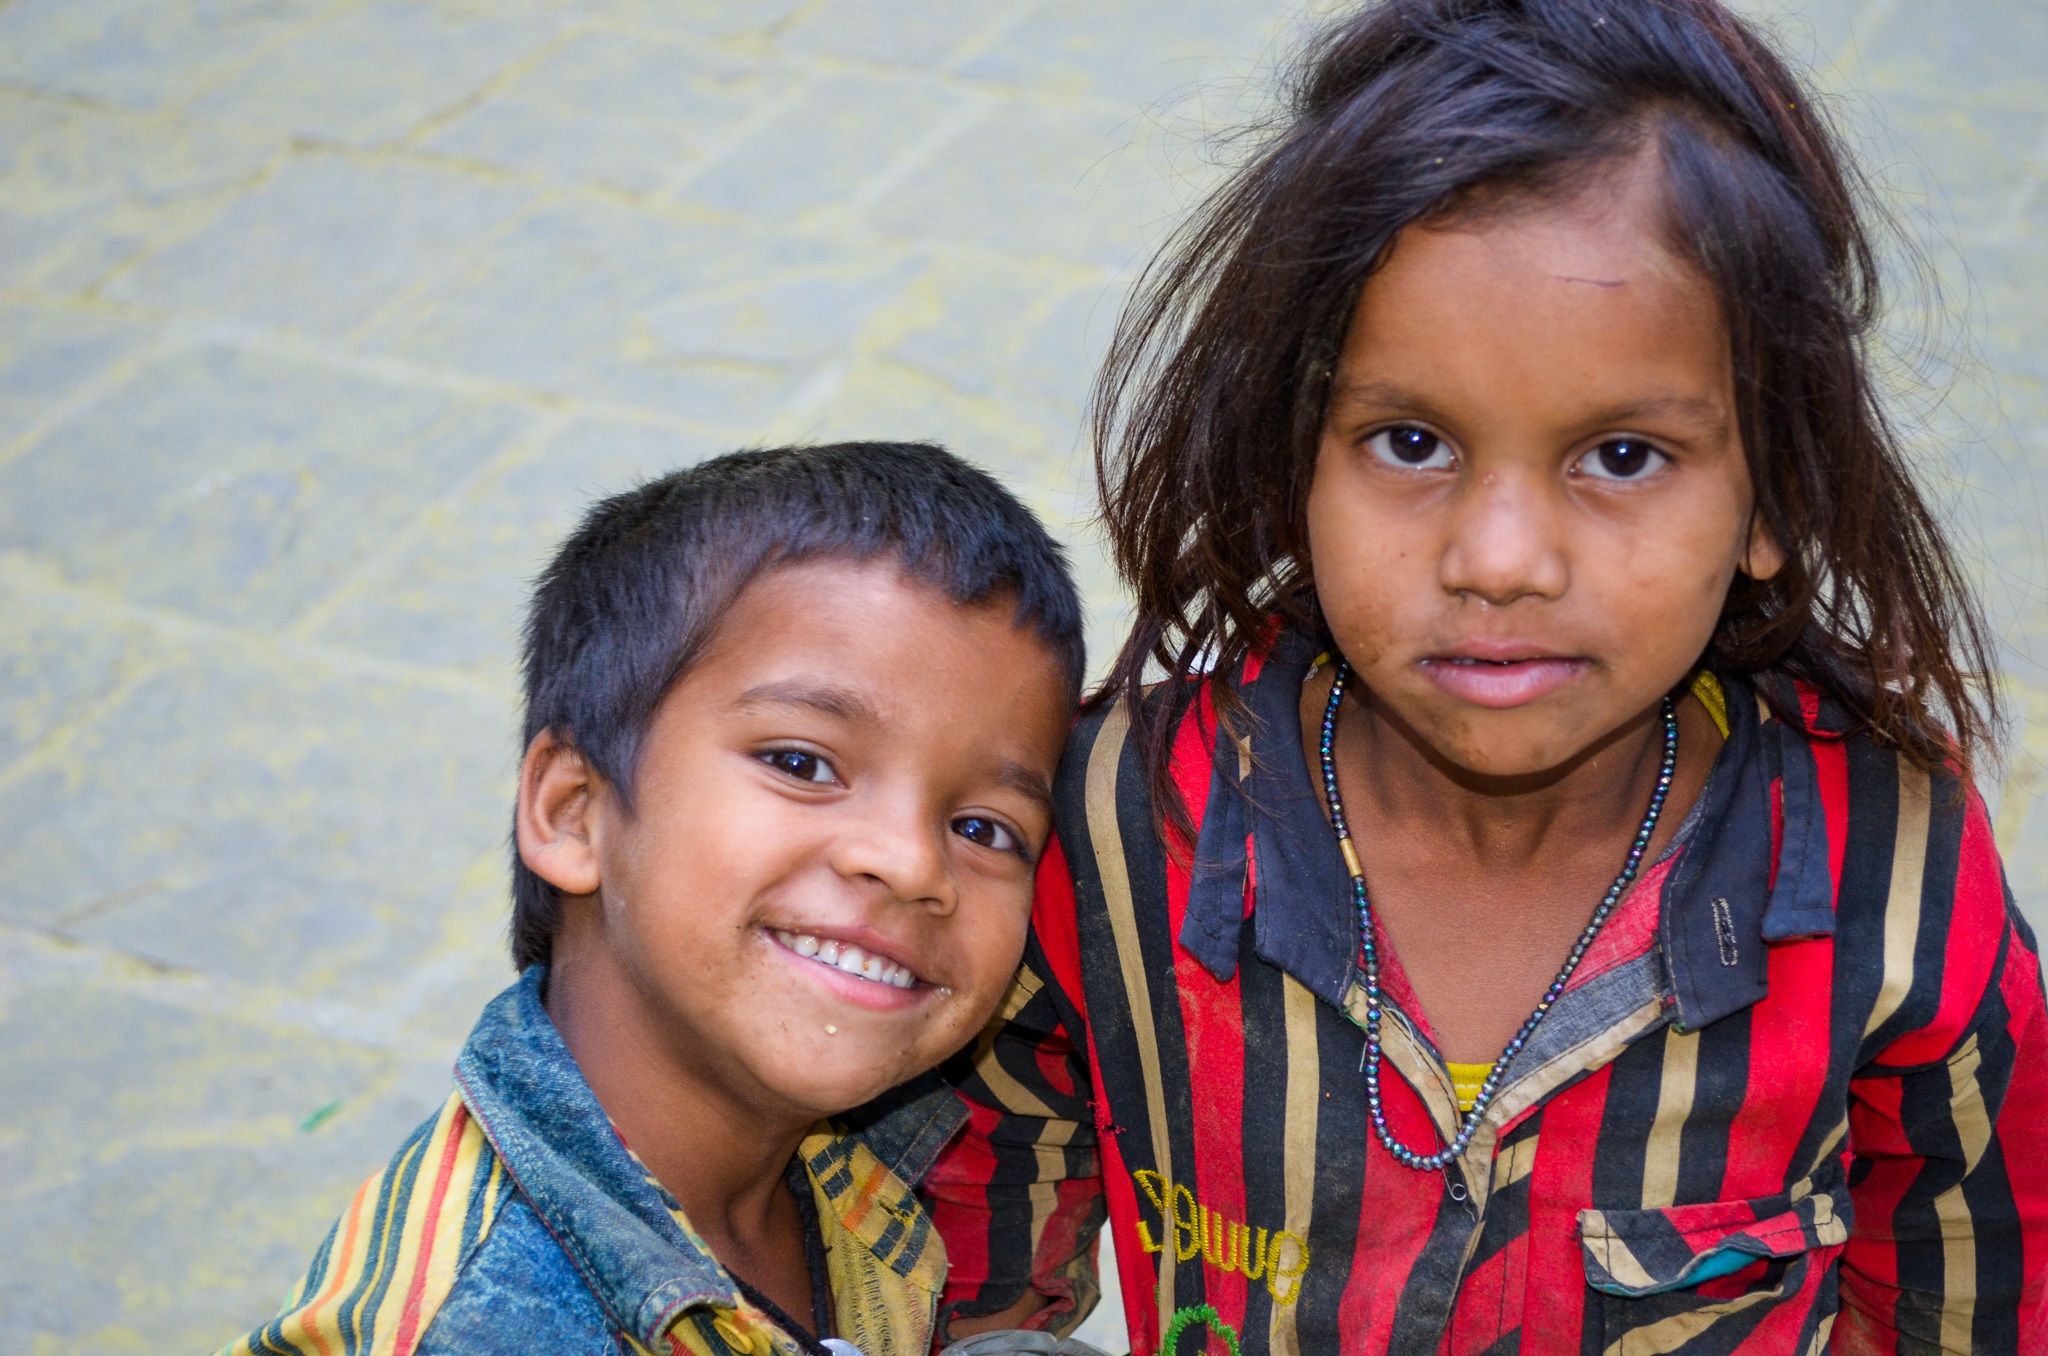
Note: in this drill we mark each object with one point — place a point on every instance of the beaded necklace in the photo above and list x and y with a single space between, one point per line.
1371 1065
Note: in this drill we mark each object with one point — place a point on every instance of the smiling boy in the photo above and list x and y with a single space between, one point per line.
792 722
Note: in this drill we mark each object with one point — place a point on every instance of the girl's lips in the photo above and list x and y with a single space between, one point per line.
1500 684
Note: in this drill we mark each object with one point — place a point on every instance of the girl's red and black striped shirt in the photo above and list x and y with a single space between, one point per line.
1795 1098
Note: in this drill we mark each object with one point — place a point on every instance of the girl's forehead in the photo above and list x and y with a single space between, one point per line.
1612 230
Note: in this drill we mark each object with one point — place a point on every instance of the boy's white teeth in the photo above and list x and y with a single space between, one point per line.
848 957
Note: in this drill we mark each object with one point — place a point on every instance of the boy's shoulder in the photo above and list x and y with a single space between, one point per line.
436 1252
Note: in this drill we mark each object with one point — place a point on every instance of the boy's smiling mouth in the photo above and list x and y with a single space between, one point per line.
847 958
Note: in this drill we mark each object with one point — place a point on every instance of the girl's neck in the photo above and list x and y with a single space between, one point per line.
1396 780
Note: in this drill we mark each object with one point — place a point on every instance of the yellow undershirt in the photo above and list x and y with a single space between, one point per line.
1467 1079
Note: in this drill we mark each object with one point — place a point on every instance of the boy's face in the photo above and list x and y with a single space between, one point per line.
1531 494
824 884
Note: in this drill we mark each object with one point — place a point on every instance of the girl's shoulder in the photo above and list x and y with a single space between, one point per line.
1920 912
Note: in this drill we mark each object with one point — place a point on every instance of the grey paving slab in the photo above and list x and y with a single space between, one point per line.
1094 184
646 310
60 657
84 188
325 244
1054 322
454 595
369 74
817 149
698 90
203 823
112 1174
568 146
51 352
1124 55
1986 54
722 19
236 485
141 55
911 33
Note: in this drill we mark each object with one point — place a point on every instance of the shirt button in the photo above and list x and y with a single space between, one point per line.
730 1333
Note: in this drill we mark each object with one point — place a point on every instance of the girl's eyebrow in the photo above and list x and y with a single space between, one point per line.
1701 410
1693 409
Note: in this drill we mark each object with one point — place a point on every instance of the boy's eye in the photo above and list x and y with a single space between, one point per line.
1411 448
1621 459
805 767
987 832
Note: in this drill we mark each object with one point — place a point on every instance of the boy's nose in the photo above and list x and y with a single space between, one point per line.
898 850
1506 542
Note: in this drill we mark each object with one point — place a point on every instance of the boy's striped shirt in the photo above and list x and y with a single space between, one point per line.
392 1257
516 1219
1794 1096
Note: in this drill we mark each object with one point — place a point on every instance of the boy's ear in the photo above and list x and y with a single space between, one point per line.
1763 557
556 821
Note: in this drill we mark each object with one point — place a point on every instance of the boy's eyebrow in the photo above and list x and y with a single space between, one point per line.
1023 780
843 702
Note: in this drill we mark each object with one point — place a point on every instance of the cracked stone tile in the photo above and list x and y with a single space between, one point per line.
331 838
323 245
1055 323
837 138
370 74
59 657
1967 163
136 52
137 1129
902 33
1130 55
725 19
82 189
627 113
1097 188
638 309
569 146
239 486
50 351
699 91
1988 55
455 598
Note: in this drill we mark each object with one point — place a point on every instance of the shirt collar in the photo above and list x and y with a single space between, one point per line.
615 1225
1722 901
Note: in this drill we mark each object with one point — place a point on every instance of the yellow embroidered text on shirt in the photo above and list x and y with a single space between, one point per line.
1276 1257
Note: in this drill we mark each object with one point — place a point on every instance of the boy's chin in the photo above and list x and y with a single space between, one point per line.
835 1075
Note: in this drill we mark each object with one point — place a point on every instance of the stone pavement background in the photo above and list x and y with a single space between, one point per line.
320 319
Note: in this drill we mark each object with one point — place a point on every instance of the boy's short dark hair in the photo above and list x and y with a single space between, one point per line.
630 601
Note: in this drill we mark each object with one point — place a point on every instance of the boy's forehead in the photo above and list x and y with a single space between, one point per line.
869 642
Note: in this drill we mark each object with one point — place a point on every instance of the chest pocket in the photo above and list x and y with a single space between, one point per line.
1665 1276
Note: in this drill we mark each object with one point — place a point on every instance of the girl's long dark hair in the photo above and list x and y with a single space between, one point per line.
1209 410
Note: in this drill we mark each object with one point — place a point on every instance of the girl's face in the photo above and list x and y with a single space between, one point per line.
1531 497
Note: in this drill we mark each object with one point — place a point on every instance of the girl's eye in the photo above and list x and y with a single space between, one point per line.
987 832
1621 459
1411 448
805 767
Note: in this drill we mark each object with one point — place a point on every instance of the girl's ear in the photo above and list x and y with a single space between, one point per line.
1762 558
556 821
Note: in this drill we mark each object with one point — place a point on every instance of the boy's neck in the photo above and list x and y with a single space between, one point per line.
721 1155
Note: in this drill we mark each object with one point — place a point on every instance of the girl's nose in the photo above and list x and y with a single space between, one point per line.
895 848
1506 542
